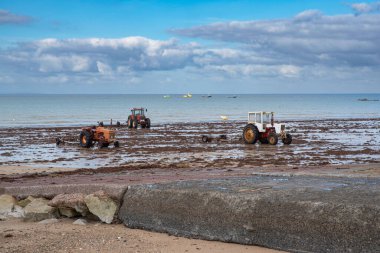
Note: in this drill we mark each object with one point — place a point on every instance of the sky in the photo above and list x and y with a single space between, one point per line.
205 46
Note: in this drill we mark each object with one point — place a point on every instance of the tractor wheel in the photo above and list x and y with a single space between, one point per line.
205 139
147 124
102 143
129 123
250 134
135 124
288 139
272 139
116 144
85 139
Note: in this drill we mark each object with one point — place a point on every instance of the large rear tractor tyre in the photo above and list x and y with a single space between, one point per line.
272 139
85 139
147 124
134 124
288 139
129 123
250 134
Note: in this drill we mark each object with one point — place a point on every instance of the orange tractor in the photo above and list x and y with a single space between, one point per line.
103 136
138 117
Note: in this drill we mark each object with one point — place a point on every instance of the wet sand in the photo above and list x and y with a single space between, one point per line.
175 152
316 143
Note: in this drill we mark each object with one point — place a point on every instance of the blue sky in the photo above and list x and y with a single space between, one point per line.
77 46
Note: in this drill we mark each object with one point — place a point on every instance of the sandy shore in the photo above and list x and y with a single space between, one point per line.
316 143
18 236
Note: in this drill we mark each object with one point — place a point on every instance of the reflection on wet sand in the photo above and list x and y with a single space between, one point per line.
180 146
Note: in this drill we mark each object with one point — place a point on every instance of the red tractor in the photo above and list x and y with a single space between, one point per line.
138 117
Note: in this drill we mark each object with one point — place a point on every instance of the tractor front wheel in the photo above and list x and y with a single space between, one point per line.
85 139
134 124
287 140
102 143
272 139
250 134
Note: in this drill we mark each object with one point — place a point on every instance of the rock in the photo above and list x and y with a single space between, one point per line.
74 201
80 222
17 212
68 212
2 218
7 203
101 205
39 209
25 202
49 221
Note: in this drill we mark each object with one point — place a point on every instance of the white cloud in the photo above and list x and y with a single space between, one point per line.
308 46
346 39
7 17
360 8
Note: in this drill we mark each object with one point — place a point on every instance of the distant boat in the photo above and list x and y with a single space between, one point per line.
167 96
188 95
207 96
367 100
224 117
232 97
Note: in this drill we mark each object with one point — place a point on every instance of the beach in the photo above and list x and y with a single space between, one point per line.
190 126
31 164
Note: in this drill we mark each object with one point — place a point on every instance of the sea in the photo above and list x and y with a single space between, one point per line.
77 110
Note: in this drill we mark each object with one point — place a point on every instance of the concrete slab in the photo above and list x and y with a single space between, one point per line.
294 213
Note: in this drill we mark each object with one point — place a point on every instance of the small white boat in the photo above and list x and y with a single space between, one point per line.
167 96
188 95
224 117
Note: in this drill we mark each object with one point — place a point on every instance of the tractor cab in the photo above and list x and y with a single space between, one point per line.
262 120
137 111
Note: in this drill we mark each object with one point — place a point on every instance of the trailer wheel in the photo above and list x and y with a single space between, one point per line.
134 124
147 123
288 139
85 139
116 144
205 138
250 134
272 139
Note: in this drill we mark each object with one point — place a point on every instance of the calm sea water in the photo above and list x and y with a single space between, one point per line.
71 110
